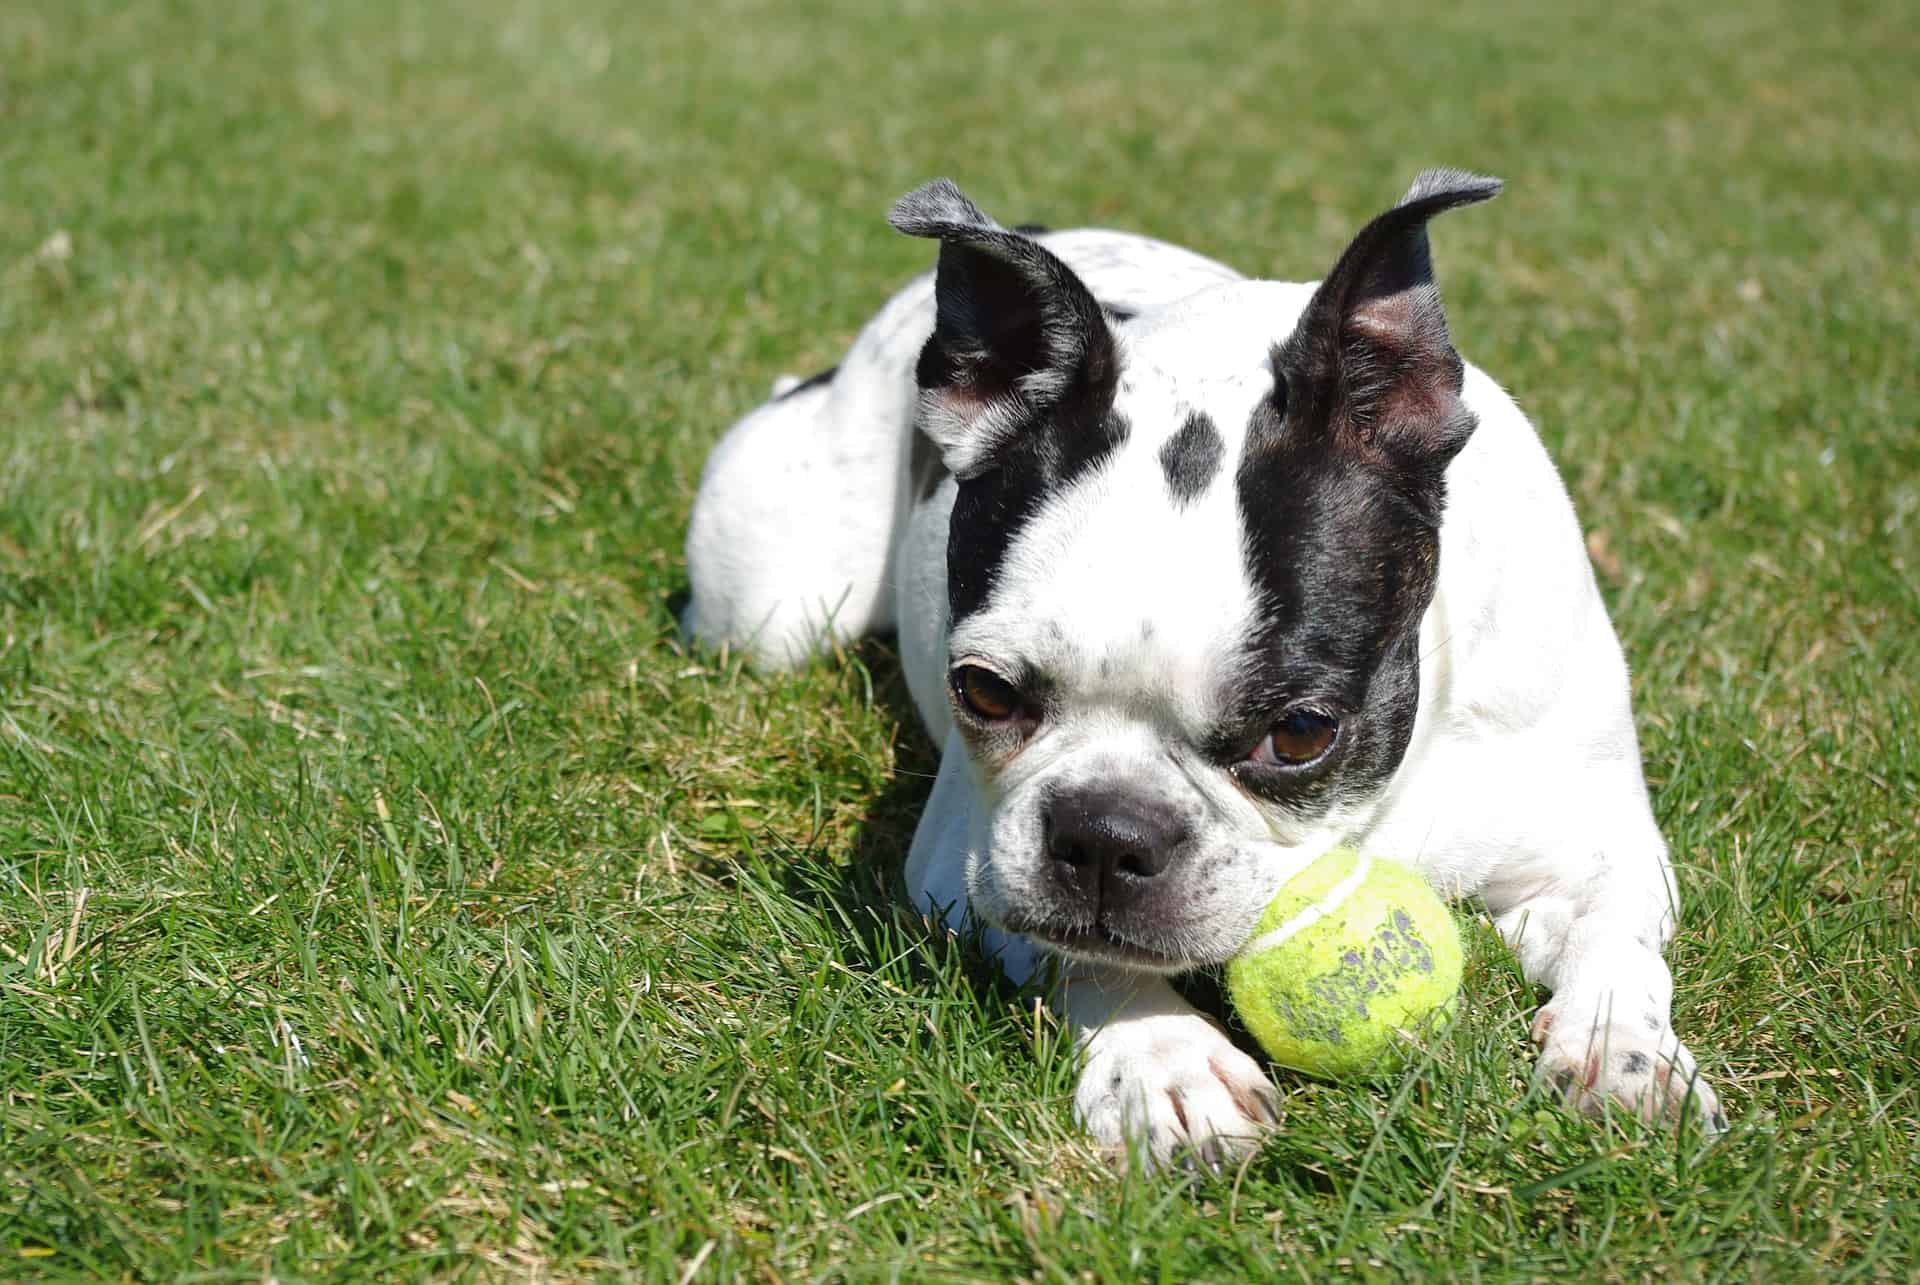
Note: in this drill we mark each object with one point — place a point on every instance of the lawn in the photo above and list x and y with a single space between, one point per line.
383 890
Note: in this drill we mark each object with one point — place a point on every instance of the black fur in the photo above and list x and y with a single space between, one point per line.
991 509
1342 489
1020 344
1345 569
925 469
1191 458
811 381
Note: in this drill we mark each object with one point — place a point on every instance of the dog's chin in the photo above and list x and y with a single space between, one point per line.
1099 946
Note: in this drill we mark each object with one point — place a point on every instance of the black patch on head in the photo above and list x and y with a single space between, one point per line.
1022 369
1191 457
1117 314
993 508
1342 489
811 381
1345 563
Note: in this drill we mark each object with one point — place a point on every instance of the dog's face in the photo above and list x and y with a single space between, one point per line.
1187 563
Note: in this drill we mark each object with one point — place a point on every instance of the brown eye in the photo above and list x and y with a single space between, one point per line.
1300 737
986 694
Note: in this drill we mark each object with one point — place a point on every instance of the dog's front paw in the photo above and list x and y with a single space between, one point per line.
1175 1087
1590 1062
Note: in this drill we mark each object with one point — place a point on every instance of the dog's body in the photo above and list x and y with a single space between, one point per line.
1162 549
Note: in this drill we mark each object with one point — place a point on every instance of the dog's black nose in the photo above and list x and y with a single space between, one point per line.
1102 843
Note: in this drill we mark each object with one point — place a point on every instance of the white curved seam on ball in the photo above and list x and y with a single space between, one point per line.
1313 914
1307 856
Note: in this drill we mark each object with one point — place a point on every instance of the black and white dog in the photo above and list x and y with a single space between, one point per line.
1164 550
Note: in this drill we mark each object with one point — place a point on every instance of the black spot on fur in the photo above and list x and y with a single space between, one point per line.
1342 490
1191 458
992 509
1345 557
1634 1063
811 381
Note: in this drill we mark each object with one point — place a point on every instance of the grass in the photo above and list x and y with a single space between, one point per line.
384 893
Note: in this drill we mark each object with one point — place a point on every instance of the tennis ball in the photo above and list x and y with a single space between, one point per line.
1351 956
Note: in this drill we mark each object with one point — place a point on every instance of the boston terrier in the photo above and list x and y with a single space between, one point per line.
1195 577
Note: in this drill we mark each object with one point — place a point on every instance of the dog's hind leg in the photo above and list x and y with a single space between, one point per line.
790 544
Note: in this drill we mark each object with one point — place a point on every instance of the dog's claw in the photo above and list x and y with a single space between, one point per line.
1179 1090
1650 1074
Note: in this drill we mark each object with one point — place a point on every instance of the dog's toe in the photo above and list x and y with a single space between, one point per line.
1648 1073
1178 1093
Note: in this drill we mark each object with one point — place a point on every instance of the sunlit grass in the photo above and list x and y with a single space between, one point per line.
382 891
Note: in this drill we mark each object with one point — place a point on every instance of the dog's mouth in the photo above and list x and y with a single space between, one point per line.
1095 944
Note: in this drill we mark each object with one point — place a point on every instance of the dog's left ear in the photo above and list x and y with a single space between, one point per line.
1017 336
1370 362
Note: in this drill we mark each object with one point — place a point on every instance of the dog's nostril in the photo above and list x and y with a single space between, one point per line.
1112 834
1138 862
1067 850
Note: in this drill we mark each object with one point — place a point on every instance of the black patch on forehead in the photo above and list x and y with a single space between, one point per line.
811 381
1191 457
1344 553
991 510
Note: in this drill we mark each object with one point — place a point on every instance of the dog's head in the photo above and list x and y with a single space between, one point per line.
1187 562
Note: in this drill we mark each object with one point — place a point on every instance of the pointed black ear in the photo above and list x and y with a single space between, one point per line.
1016 334
1370 360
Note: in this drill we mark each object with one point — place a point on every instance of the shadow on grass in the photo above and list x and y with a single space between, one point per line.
861 890
872 876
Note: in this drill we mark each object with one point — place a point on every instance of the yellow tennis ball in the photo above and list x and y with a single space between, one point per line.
1352 957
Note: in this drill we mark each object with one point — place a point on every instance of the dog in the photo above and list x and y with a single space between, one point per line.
1195 577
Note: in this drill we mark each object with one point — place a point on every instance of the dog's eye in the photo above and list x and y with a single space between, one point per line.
1300 737
985 693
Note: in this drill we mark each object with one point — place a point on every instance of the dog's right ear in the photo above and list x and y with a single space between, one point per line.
1017 337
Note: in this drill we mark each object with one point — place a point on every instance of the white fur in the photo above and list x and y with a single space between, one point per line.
1522 784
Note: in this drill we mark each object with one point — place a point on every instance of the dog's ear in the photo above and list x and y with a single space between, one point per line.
1016 337
1370 362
